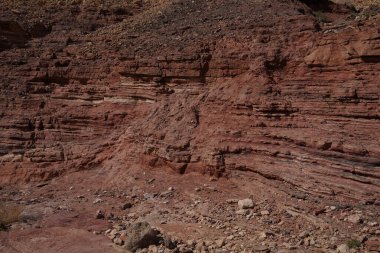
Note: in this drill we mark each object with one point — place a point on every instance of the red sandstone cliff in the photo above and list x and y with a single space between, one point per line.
208 86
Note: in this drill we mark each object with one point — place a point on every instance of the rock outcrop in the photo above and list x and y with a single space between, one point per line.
209 86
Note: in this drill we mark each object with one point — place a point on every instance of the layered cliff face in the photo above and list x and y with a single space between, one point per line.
218 87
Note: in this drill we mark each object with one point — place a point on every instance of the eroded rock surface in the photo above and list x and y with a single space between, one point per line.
218 87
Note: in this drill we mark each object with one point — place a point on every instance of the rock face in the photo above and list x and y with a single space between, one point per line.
214 87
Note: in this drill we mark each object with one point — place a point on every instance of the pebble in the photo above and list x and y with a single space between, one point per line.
118 241
229 238
232 201
112 234
220 242
261 248
355 218
123 236
99 214
153 249
245 204
242 212
191 243
262 235
373 223
98 200
126 206
303 234
343 248
290 246
63 208
131 215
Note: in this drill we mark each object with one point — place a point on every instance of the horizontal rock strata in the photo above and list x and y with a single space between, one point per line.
214 87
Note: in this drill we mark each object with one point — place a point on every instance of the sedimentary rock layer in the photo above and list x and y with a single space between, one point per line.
208 86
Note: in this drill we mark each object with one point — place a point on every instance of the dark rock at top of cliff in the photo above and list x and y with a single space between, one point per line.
12 35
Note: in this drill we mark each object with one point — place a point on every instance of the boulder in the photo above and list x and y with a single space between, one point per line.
140 235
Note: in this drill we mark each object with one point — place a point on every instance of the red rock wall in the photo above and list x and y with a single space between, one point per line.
261 88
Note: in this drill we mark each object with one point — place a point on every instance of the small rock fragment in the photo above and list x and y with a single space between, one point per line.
132 215
123 236
118 241
242 212
98 200
99 214
220 242
245 204
261 248
343 248
168 242
355 218
230 237
126 206
262 235
112 234
373 223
